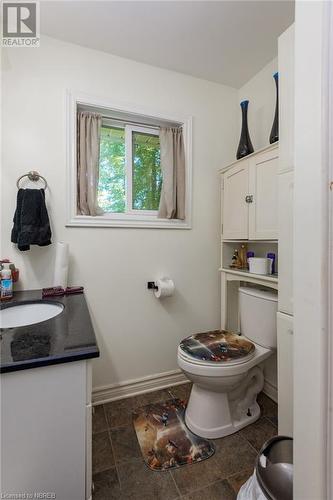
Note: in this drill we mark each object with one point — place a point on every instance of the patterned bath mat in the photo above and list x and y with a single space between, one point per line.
164 439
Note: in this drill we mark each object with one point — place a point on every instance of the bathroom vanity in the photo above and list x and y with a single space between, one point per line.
46 401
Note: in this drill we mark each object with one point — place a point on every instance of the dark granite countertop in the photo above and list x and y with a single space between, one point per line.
67 337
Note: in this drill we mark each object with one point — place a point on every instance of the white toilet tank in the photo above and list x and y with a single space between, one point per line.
257 309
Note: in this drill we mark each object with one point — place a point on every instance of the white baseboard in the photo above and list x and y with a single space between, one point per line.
138 386
270 390
134 387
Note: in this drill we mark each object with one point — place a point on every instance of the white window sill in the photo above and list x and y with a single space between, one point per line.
129 221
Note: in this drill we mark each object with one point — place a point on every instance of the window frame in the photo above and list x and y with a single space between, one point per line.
129 129
131 218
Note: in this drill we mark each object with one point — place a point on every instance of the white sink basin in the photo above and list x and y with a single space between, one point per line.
28 314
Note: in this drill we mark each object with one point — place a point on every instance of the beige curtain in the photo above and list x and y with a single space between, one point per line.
88 139
172 201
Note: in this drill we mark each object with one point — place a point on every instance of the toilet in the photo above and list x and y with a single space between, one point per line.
224 367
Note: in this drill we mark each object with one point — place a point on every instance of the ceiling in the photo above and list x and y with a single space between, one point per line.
223 41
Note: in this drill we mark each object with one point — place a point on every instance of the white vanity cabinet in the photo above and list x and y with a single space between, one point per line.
46 431
250 197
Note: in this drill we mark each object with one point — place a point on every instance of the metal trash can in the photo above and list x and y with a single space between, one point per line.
273 475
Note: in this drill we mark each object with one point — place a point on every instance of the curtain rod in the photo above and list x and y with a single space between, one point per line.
132 122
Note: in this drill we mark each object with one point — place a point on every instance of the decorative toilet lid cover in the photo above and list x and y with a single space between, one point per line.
217 346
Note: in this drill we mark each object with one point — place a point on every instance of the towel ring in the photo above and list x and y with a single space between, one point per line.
32 176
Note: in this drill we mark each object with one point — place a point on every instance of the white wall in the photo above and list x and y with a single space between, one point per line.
138 335
261 93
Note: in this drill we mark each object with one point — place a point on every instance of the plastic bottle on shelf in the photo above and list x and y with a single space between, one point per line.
6 289
248 255
242 255
236 261
272 257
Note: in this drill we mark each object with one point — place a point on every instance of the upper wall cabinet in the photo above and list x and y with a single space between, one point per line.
287 101
263 209
235 184
250 197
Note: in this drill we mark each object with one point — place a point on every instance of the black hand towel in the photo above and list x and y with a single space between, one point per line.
31 220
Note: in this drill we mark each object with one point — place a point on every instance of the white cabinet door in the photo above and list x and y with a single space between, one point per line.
286 240
89 411
235 211
286 99
43 447
285 373
263 185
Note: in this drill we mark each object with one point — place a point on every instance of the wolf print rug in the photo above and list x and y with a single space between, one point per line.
164 439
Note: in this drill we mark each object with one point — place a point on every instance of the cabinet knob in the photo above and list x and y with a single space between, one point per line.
249 198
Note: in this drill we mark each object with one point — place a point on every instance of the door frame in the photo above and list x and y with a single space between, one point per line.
328 147
313 374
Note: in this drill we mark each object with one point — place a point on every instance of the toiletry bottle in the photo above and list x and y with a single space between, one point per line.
6 292
233 261
272 257
242 256
237 261
15 272
248 255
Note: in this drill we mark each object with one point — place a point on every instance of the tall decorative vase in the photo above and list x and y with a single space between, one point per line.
245 145
275 128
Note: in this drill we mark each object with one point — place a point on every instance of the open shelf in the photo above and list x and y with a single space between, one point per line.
259 248
231 280
250 241
273 278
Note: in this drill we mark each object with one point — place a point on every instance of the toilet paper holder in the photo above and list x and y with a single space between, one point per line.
151 285
162 288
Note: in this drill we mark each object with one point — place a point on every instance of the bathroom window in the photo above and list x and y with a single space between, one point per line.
115 172
130 177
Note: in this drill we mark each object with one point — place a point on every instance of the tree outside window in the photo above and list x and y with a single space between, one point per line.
137 170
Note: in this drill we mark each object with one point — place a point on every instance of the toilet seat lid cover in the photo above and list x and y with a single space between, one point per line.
217 346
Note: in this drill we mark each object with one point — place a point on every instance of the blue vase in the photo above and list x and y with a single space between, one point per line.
275 128
245 145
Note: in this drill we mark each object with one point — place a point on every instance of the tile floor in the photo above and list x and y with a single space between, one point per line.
120 473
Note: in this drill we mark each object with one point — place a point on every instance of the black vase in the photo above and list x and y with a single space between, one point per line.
275 128
245 145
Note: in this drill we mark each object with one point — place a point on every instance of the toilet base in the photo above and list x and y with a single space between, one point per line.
212 415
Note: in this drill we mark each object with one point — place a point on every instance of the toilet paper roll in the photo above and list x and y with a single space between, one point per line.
165 288
60 274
